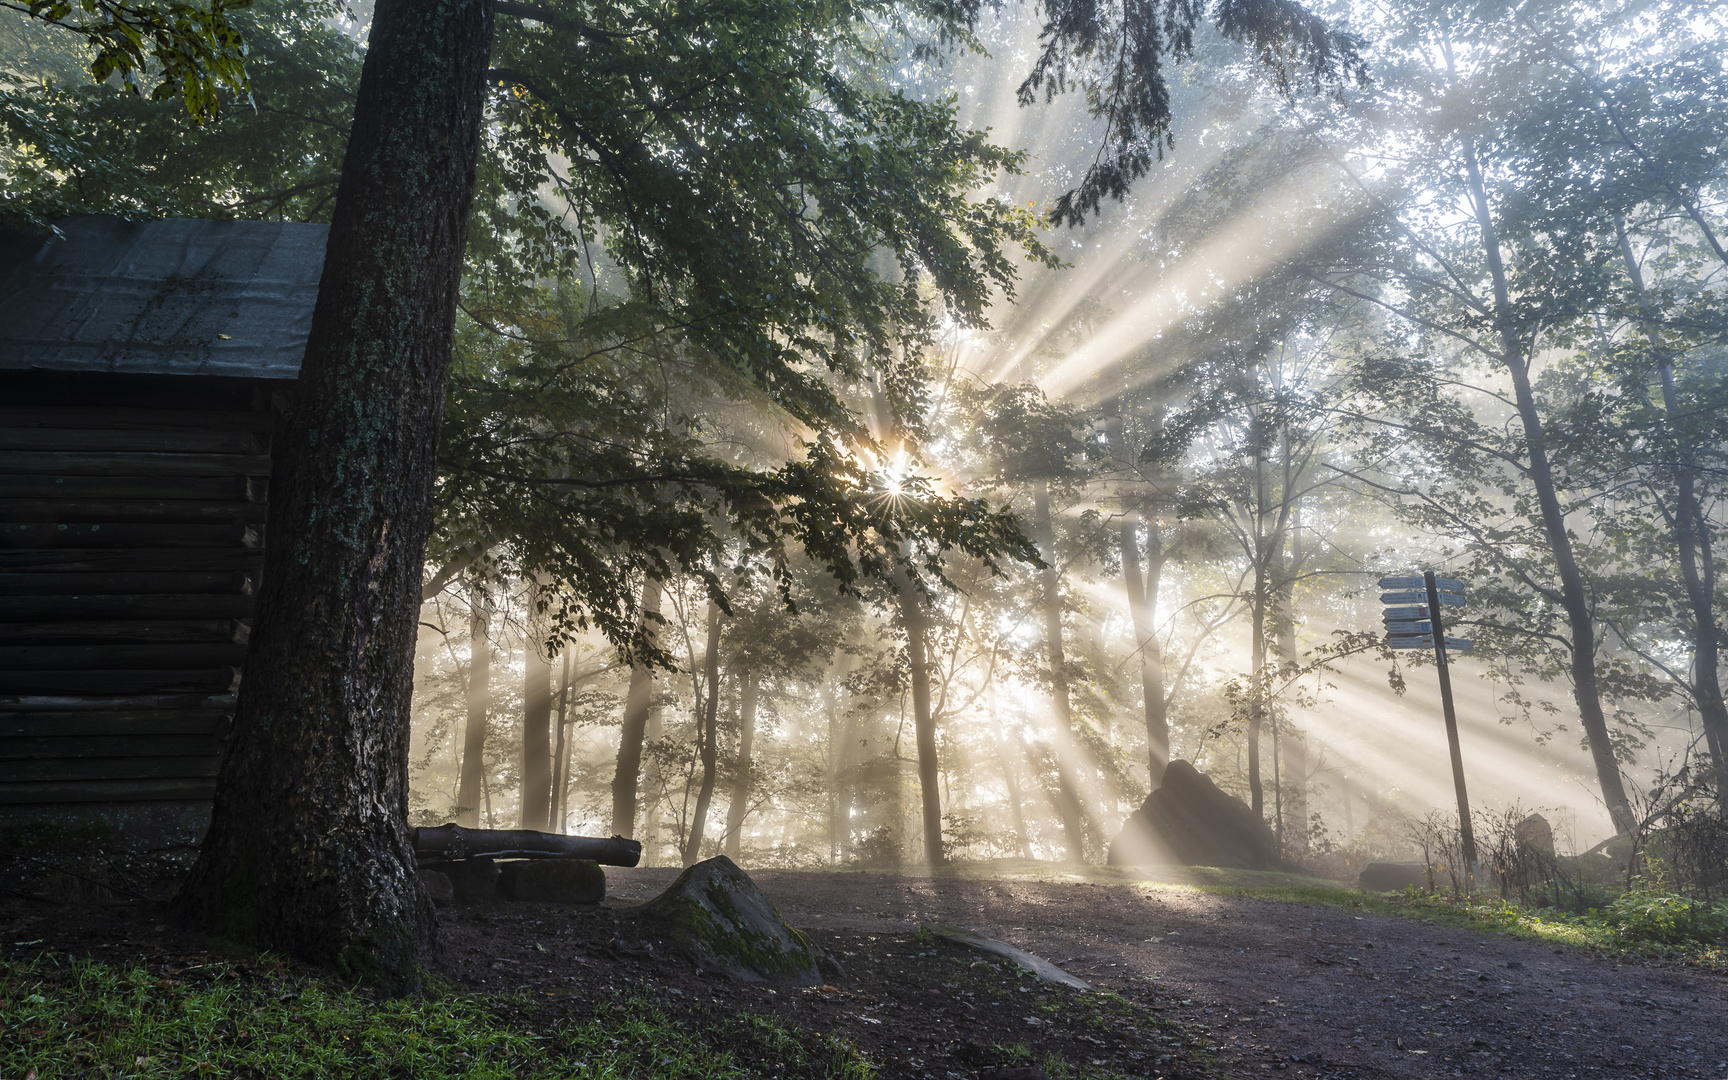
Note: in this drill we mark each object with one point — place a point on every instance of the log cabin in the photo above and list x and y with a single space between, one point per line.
143 367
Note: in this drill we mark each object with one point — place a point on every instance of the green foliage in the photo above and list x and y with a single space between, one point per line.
80 149
82 1018
707 324
1668 920
194 52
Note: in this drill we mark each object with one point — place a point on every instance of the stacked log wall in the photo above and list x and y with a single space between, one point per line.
132 516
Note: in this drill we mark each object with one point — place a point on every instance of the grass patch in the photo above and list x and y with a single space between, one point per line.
74 1018
1634 926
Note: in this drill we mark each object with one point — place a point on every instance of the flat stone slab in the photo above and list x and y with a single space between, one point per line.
1040 968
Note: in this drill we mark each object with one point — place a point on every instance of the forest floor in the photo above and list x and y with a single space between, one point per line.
1203 982
1315 990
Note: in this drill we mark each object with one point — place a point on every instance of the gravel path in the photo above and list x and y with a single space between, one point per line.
1306 991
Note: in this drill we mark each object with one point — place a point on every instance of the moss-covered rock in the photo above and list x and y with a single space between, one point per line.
716 917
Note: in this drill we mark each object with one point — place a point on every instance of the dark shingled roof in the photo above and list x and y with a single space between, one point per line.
175 297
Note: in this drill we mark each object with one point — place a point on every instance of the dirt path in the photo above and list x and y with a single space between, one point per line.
1316 991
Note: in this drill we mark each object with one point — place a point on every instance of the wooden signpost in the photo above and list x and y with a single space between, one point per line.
1413 621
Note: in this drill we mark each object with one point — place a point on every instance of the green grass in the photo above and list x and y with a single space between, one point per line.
87 1019
1638 925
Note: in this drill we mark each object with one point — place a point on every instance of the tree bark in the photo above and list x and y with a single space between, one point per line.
308 850
741 783
1573 597
638 700
536 732
1067 767
708 736
468 794
923 723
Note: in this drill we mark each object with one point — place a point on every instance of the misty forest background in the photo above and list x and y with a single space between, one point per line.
1287 362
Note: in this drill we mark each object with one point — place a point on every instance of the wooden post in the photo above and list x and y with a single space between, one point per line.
1466 835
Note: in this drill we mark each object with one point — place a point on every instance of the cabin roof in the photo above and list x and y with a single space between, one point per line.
170 297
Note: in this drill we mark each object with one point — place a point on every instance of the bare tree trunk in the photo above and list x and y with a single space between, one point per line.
651 806
1257 703
561 750
468 793
708 737
923 724
536 728
1016 809
638 700
1292 753
1574 599
740 804
308 850
1067 751
1142 590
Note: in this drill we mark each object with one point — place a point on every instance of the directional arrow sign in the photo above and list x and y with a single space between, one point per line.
1444 584
1394 626
1405 613
1446 599
1426 641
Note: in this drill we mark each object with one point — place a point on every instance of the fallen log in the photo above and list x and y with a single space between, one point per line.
448 843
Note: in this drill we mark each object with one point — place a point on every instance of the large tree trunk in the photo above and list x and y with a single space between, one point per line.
1067 750
1574 599
468 793
923 723
707 735
536 732
308 850
741 783
638 700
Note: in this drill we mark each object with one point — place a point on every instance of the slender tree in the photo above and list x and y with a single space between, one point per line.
473 767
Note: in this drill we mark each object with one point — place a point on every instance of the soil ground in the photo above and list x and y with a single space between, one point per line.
1204 982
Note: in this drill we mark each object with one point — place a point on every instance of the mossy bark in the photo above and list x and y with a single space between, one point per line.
308 850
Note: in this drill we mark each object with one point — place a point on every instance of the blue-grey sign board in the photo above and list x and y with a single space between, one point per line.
1426 641
1446 599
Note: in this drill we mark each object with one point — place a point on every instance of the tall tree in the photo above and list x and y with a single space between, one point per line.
637 704
707 736
473 768
308 848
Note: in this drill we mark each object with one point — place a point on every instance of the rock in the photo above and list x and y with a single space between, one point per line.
472 879
558 881
717 918
1038 967
438 887
1535 835
1189 822
1395 876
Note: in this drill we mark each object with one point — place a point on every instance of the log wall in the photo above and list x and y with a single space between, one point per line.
132 518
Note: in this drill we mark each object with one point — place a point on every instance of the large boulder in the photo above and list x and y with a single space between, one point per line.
1189 822
717 918
1535 836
